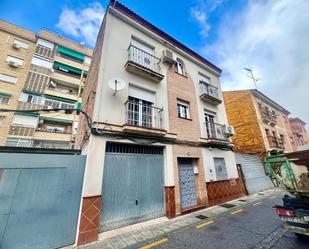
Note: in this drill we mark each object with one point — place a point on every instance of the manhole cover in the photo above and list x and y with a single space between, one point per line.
227 205
242 200
201 217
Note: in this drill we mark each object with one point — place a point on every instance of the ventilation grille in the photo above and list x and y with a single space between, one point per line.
133 149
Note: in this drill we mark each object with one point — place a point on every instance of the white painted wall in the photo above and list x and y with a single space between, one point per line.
209 166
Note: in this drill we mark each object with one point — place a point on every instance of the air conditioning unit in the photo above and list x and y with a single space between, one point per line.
229 130
15 45
168 57
13 64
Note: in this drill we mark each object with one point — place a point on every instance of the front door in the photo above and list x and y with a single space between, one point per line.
187 183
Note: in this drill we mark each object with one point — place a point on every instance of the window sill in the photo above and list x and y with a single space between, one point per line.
185 76
189 119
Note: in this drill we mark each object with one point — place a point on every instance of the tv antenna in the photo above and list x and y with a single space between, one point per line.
251 76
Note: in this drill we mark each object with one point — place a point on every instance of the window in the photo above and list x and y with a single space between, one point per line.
4 99
52 104
46 44
48 144
18 142
25 121
8 79
41 62
21 44
30 98
183 109
140 112
221 173
19 62
142 54
180 67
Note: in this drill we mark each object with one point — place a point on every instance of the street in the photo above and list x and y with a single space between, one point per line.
253 226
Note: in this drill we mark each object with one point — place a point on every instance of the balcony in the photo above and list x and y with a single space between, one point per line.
216 133
268 116
275 143
143 64
209 93
44 51
143 119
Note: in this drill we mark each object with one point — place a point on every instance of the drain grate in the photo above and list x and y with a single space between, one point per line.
227 205
201 217
242 200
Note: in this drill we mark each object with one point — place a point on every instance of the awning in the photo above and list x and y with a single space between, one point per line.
67 67
60 99
71 53
79 106
57 120
31 114
32 92
5 94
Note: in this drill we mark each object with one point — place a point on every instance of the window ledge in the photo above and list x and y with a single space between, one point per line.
185 76
189 119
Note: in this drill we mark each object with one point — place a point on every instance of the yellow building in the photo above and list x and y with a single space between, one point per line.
42 70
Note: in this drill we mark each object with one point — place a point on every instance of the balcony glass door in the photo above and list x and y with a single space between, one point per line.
210 125
142 54
140 112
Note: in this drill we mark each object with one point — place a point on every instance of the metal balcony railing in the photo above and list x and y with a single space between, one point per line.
44 51
144 59
216 131
275 142
210 90
268 115
143 115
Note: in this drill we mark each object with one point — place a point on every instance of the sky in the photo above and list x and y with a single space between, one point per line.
271 37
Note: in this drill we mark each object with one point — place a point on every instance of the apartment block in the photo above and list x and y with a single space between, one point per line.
300 134
158 142
261 125
40 71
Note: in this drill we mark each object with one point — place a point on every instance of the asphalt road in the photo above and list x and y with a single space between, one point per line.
251 227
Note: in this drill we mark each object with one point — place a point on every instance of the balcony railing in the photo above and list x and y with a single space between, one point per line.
143 115
216 131
144 59
52 130
209 93
63 90
44 51
275 142
268 115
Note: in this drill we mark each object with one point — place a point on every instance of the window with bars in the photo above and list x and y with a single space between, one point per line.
221 172
18 142
140 112
4 99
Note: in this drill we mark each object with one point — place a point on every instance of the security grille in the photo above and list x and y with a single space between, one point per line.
133 149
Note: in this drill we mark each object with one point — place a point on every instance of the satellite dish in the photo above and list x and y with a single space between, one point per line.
116 84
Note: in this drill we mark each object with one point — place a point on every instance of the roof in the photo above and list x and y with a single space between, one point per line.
17 30
262 96
123 9
298 120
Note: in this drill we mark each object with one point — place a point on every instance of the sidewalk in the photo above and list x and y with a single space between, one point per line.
130 235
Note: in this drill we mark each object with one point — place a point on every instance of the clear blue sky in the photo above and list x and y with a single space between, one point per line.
270 36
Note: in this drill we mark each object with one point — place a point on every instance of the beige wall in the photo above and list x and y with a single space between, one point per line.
9 32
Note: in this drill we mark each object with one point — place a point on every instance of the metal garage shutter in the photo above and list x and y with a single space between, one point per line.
254 173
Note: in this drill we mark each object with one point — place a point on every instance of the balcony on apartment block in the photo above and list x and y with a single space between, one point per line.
52 128
216 133
62 90
44 51
143 118
276 143
144 64
269 117
209 93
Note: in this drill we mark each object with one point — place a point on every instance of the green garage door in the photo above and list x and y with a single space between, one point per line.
132 189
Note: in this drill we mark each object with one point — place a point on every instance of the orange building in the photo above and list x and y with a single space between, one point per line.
261 125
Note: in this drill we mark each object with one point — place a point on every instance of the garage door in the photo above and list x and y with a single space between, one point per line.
39 199
254 173
132 188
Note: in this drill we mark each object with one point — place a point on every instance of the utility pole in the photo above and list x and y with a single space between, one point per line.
251 76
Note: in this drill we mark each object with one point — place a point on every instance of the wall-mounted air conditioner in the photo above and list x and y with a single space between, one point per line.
13 64
15 45
168 57
229 130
